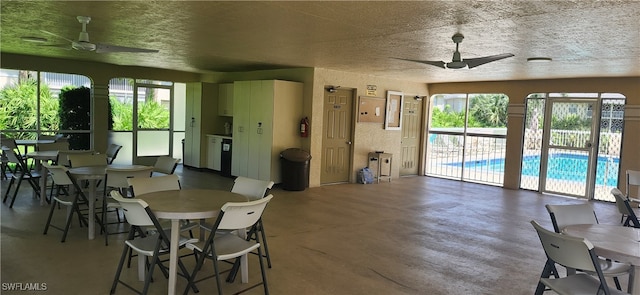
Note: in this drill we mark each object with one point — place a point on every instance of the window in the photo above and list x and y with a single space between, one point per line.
467 137
32 105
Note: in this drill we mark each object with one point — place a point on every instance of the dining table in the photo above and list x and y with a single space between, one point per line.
32 142
615 242
193 204
92 174
40 157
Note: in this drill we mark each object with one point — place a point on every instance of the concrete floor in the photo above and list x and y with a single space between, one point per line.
414 235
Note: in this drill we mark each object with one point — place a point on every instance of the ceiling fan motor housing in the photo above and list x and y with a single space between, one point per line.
83 45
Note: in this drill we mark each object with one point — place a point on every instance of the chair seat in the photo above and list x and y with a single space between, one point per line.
146 245
614 269
577 284
227 246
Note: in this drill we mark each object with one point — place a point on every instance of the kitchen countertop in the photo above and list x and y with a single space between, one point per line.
221 135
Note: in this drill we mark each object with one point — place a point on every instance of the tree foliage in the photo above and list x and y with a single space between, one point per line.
18 108
151 115
75 114
489 110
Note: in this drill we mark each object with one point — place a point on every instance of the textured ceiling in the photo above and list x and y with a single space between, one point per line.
585 38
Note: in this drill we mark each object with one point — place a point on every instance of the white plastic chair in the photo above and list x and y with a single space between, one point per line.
116 179
222 245
255 189
140 216
625 208
63 156
86 160
569 214
22 173
112 152
141 186
64 183
165 165
575 253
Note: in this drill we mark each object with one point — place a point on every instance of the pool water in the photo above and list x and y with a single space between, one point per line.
561 166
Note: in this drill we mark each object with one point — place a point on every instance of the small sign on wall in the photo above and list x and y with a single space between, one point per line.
372 90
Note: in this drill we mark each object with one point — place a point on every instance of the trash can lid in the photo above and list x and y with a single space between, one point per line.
295 155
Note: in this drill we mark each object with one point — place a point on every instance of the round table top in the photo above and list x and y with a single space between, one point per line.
189 203
33 141
610 241
99 171
43 154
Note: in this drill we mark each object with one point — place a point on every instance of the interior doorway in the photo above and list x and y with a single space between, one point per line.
337 135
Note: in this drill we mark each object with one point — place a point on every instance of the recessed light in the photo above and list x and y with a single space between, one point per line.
33 39
539 59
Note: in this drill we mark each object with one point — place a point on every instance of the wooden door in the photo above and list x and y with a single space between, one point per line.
336 136
411 136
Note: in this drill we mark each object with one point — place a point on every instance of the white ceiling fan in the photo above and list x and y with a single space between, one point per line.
457 62
83 43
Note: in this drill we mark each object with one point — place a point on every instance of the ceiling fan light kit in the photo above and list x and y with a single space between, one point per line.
539 59
459 63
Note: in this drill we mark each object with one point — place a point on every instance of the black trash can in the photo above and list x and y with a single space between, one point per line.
295 169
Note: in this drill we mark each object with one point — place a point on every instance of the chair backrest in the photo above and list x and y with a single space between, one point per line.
63 156
59 174
61 138
55 146
624 207
633 180
135 210
564 215
10 143
238 215
117 177
84 160
141 186
568 251
165 164
251 188
112 152
12 156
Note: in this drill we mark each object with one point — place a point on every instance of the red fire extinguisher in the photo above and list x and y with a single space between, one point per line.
304 127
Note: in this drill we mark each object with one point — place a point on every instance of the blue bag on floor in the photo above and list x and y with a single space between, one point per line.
365 176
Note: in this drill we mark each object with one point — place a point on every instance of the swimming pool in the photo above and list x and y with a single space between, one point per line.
561 166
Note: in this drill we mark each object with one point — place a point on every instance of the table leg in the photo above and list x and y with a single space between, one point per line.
244 262
173 255
142 267
92 209
634 281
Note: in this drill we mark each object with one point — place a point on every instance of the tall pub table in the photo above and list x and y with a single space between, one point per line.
41 156
93 174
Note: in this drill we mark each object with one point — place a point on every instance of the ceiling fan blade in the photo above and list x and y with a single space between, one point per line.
57 46
474 62
56 35
106 48
440 64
